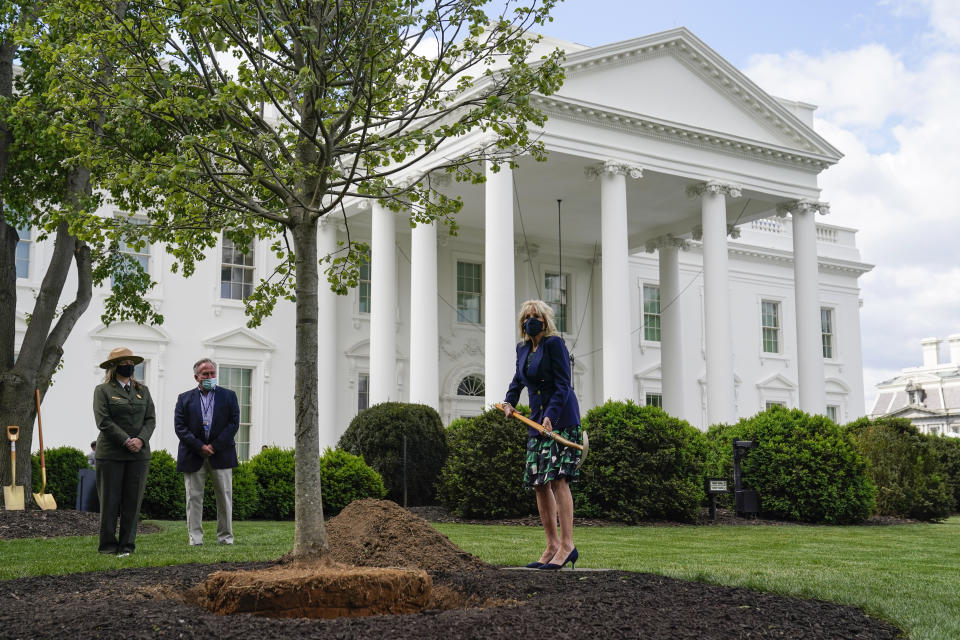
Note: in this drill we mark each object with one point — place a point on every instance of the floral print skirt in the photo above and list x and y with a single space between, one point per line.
548 460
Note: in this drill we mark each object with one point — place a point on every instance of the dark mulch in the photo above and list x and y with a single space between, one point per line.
580 605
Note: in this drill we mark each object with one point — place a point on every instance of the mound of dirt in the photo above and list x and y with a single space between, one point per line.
380 533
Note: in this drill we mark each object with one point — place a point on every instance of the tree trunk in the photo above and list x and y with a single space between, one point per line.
310 539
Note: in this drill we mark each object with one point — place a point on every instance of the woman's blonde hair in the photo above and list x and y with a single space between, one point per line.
542 309
112 375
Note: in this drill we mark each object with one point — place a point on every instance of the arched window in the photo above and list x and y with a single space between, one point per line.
471 386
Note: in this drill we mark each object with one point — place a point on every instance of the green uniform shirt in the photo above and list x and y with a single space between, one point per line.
121 415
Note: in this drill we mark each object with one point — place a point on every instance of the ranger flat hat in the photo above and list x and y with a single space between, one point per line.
118 354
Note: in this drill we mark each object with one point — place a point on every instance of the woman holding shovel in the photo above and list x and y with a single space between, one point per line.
543 367
124 413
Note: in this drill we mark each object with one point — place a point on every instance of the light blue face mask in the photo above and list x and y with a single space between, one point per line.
209 384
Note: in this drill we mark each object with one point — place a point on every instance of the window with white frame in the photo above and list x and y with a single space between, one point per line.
363 288
770 325
138 253
240 381
471 385
826 332
555 288
140 371
833 412
236 270
654 400
363 391
469 292
651 313
775 403
24 246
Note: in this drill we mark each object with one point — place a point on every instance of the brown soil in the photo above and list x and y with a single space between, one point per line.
500 603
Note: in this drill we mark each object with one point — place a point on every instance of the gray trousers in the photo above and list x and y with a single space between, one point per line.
222 489
120 485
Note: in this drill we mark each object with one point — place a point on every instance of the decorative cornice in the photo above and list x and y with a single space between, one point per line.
714 187
683 134
667 240
613 167
804 205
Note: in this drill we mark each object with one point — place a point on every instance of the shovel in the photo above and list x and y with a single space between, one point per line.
13 493
584 448
44 500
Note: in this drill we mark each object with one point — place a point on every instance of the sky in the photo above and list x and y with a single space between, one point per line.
885 75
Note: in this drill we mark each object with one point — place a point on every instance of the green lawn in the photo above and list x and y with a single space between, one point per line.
908 574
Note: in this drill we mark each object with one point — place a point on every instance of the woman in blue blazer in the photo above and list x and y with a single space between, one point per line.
543 367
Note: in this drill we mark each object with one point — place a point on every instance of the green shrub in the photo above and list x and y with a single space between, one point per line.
164 497
63 465
905 468
804 467
344 478
643 464
948 451
245 494
483 476
274 471
377 435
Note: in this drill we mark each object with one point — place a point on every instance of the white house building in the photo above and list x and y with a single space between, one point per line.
672 228
928 395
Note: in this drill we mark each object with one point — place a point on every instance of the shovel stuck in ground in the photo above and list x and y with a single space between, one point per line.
13 493
44 500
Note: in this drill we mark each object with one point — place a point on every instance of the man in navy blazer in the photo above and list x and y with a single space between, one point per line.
206 420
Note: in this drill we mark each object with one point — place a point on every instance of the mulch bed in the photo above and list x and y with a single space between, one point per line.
487 602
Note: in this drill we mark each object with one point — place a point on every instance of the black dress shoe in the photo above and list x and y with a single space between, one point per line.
572 559
534 565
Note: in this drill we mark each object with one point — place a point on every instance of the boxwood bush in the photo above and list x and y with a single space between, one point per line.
805 468
245 494
377 434
344 478
63 465
274 471
643 464
905 467
164 497
948 451
483 476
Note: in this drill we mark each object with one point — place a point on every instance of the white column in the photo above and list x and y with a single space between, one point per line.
499 286
615 279
424 340
671 328
327 339
813 397
721 406
383 306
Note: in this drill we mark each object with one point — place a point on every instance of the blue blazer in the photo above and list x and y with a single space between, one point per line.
547 380
188 423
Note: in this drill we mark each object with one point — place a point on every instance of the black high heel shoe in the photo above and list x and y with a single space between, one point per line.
534 565
572 559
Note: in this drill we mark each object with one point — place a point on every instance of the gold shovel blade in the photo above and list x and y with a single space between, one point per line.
13 498
45 501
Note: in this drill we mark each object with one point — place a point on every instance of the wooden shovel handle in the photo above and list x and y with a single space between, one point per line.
539 427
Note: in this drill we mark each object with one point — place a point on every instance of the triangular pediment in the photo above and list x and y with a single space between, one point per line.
913 411
240 339
130 332
675 78
777 381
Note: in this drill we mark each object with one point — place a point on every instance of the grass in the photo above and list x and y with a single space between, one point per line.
907 574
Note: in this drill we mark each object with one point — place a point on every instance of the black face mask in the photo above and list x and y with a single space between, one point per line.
125 370
532 326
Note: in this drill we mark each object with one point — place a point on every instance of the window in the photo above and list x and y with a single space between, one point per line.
770 323
469 291
826 331
239 380
363 391
236 270
363 288
140 371
471 386
23 252
141 254
555 287
651 313
833 412
655 400
775 403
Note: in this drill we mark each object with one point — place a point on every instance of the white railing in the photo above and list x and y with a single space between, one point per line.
767 225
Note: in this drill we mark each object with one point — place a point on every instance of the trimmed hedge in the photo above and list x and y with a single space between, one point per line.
245 494
643 464
274 471
164 497
948 451
904 465
63 465
344 478
805 467
483 476
377 435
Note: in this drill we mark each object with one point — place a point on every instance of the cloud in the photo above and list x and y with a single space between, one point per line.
893 116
